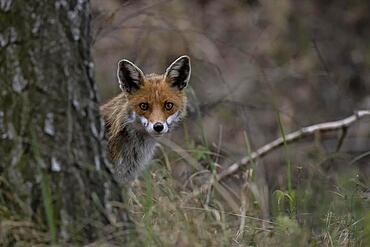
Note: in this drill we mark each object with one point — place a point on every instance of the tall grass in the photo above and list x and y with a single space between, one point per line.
45 190
324 207
290 194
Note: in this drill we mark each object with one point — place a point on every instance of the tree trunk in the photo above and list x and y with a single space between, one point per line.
55 180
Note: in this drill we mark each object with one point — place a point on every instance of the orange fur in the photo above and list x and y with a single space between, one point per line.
156 91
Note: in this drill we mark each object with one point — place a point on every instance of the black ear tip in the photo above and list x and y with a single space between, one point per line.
123 62
186 58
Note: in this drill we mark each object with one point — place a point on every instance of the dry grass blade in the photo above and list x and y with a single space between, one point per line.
182 152
194 163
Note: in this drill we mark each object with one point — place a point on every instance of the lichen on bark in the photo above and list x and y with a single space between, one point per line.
52 162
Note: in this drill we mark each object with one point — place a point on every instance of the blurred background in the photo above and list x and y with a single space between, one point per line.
257 65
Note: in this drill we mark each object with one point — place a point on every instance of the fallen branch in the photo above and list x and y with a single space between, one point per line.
294 136
342 125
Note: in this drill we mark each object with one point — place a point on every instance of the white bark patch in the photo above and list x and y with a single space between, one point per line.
108 204
55 165
76 33
97 163
3 42
94 130
5 5
76 104
2 129
49 124
10 134
18 83
75 18
61 3
65 222
37 23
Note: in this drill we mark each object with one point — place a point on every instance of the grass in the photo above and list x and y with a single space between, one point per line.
45 191
311 204
325 218
290 194
320 212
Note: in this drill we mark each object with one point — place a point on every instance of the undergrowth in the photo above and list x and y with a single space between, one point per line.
322 210
323 205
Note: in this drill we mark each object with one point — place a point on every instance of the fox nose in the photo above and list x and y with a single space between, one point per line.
158 127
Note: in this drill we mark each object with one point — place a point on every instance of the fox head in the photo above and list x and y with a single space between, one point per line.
155 102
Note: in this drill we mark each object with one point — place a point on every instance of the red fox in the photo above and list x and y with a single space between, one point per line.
148 107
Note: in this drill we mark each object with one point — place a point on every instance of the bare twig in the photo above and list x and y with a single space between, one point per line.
292 137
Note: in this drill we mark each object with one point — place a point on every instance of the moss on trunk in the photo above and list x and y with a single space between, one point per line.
53 169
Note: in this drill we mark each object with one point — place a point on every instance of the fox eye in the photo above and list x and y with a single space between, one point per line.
144 106
168 106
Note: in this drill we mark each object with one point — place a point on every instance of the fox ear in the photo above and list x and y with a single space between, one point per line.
130 77
178 73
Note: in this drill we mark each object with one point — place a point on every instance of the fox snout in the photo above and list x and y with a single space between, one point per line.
158 127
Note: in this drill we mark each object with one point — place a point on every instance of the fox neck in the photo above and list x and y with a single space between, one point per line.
131 152
130 148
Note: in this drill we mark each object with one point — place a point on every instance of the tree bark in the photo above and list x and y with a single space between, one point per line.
54 173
